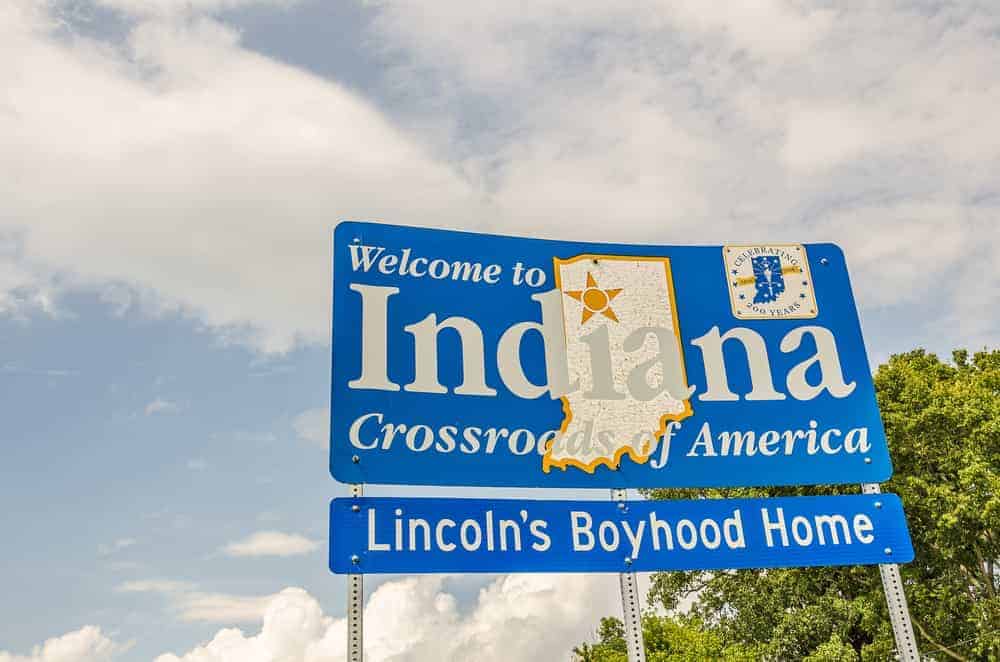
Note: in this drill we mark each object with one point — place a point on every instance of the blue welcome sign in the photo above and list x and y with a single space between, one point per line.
473 359
411 535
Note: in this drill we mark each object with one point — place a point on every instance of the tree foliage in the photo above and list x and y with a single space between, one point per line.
943 424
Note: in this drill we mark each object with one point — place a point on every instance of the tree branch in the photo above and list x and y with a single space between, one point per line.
940 647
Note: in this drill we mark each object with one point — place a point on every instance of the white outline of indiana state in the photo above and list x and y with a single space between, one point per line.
597 432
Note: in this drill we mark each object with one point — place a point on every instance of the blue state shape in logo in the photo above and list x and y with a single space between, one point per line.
769 281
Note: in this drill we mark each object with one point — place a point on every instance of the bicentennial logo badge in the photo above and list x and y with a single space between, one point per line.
770 281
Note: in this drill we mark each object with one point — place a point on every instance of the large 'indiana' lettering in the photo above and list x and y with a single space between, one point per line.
669 378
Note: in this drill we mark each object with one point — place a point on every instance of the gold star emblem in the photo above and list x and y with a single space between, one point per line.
595 300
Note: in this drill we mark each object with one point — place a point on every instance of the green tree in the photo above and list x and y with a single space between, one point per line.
943 424
610 646
667 640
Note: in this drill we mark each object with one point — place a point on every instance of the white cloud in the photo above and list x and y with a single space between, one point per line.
935 239
292 622
517 618
904 254
155 586
146 7
14 369
666 122
197 464
694 122
197 169
824 136
766 27
190 604
255 437
506 43
20 289
221 608
123 566
88 644
160 406
271 543
313 425
116 546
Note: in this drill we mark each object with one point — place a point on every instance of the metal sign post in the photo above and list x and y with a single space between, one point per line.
631 612
355 604
895 598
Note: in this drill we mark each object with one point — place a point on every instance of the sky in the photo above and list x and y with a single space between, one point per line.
171 171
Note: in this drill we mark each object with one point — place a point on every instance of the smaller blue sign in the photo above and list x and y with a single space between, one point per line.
425 535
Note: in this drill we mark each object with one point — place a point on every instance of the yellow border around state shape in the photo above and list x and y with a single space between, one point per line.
639 456
732 291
